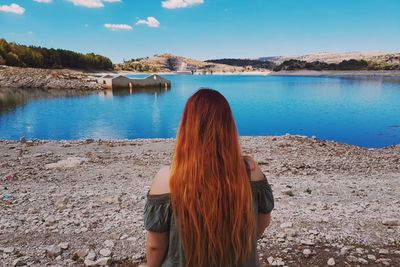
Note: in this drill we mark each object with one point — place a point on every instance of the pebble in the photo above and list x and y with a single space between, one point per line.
362 261
307 242
331 262
91 256
8 250
324 219
64 245
53 251
88 262
105 252
19 262
287 225
278 262
306 252
359 251
371 257
383 251
351 258
391 222
109 243
80 254
103 261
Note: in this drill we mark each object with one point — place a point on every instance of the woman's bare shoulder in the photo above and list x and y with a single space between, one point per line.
160 183
256 172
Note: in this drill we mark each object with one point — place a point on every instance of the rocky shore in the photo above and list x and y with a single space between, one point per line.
80 203
13 77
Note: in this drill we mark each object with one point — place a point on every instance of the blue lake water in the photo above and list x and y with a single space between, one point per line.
359 111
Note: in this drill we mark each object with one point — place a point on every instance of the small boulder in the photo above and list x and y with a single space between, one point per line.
53 251
103 261
306 252
109 243
105 252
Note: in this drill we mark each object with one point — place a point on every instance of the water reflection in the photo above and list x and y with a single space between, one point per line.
109 93
12 98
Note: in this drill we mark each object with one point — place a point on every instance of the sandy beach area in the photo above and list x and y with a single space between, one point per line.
80 203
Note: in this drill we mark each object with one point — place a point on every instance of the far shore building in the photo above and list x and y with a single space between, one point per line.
123 82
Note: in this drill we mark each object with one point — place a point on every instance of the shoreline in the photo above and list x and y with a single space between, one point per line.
84 80
168 139
334 73
68 198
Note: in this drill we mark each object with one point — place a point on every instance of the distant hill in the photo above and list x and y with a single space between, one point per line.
13 54
172 63
318 61
380 58
254 63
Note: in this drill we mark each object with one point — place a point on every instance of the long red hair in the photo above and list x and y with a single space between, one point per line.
210 190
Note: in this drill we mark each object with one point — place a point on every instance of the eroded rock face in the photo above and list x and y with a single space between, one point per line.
343 203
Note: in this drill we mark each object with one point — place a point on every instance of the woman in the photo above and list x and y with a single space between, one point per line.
213 204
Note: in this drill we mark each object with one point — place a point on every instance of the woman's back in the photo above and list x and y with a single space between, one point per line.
159 218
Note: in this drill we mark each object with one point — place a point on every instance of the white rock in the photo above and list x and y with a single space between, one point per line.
91 256
306 252
281 235
53 251
351 258
278 262
8 250
331 262
19 262
109 243
362 261
383 251
287 225
324 219
371 257
88 262
307 242
314 232
270 259
391 222
64 245
105 252
103 261
359 251
70 162
82 253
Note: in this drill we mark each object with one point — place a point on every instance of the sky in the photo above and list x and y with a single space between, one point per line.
203 29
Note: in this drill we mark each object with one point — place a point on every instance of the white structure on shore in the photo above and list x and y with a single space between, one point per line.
123 82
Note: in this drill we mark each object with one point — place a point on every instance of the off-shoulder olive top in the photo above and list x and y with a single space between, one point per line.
158 218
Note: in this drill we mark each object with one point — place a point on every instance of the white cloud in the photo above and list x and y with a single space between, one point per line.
150 21
44 1
88 3
13 8
118 27
171 4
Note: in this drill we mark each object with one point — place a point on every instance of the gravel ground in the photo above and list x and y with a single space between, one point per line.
80 203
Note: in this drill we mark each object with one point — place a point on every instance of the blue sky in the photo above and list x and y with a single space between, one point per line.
203 29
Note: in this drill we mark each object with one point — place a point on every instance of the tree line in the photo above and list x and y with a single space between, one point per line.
13 54
351 64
